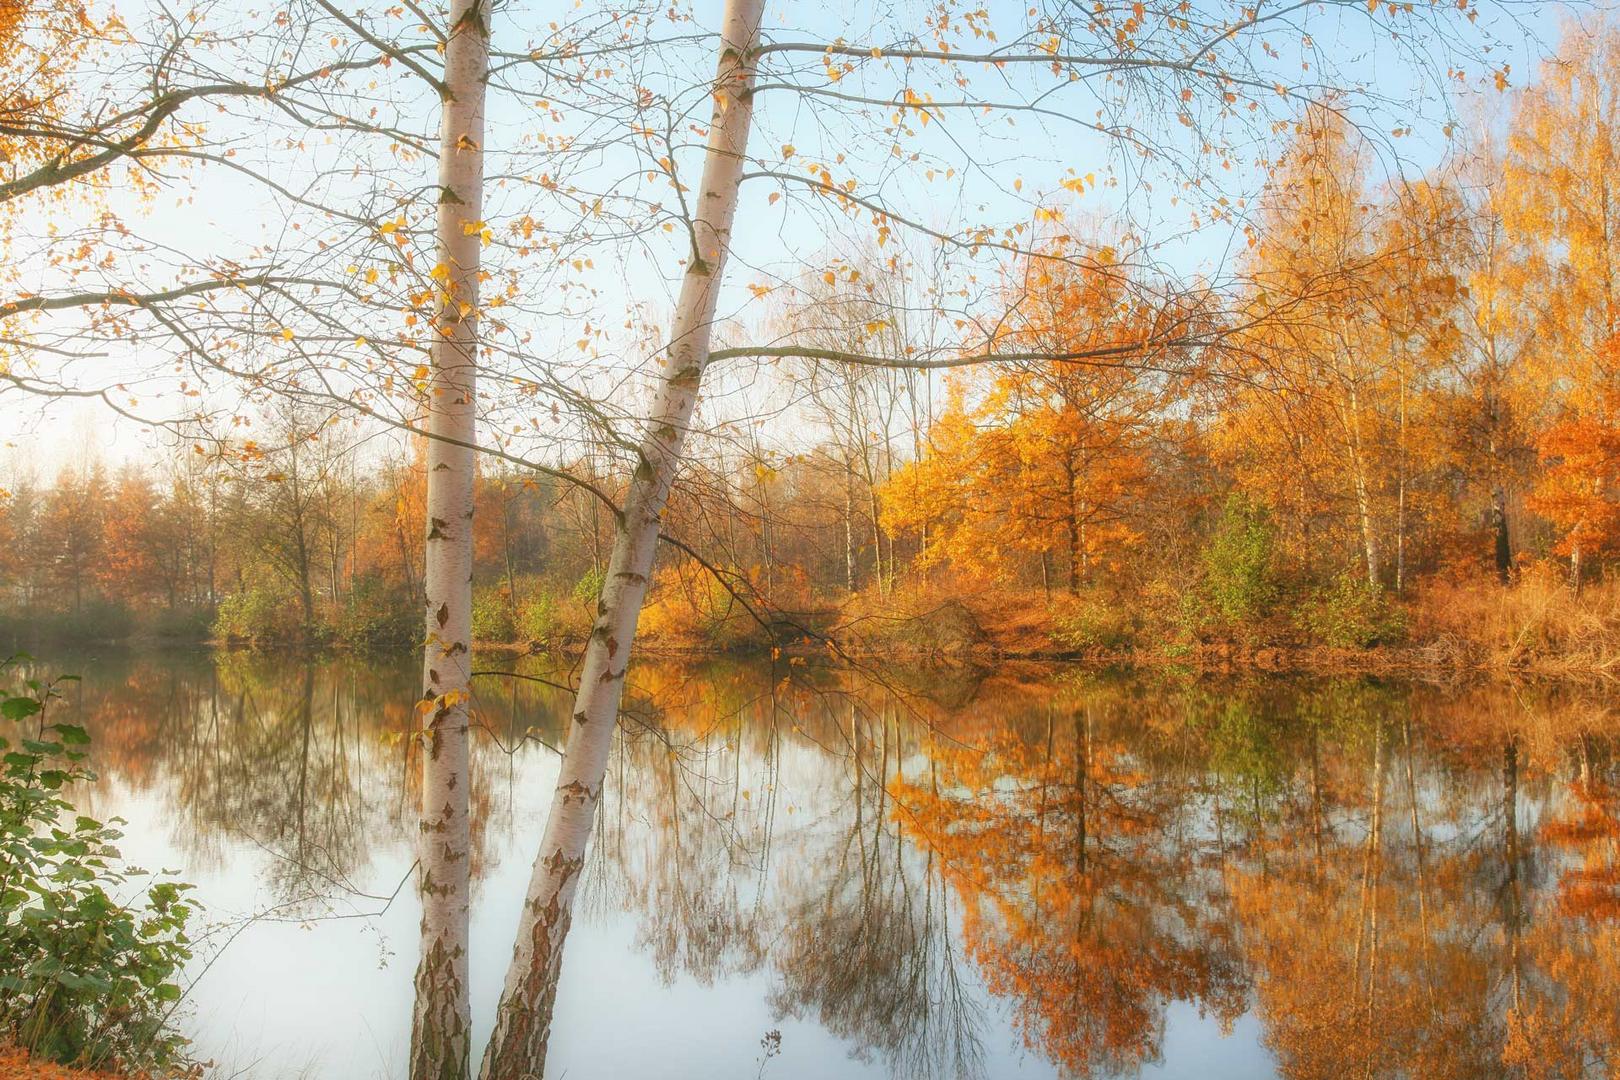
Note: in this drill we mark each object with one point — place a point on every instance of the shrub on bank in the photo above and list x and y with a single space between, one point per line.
89 974
263 614
492 616
1352 613
690 607
97 620
378 616
1094 620
181 623
1238 592
553 618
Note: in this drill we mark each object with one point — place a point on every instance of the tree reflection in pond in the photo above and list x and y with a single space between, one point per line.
936 875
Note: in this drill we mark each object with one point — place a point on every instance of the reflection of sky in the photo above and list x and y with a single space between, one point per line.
331 998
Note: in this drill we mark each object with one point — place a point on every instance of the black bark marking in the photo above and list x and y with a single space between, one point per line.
576 789
444 615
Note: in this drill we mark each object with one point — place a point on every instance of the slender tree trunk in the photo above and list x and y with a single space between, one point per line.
1499 526
1358 471
849 524
1400 496
1072 520
517 1046
1514 915
441 1036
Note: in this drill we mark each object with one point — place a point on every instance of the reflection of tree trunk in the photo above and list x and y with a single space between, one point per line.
306 719
1417 848
1367 915
1510 853
517 1046
1316 796
1082 771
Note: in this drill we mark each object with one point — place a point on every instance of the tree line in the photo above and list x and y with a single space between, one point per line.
1416 383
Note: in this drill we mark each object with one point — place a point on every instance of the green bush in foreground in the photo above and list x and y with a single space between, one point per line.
86 978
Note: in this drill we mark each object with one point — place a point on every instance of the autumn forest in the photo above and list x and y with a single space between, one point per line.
473 472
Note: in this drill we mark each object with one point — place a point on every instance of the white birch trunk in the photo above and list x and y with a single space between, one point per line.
517 1046
441 1038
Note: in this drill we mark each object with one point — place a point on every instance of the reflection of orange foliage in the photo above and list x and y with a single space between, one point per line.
1562 1032
1592 891
1077 906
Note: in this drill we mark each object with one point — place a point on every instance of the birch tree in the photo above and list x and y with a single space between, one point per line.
517 1046
440 1028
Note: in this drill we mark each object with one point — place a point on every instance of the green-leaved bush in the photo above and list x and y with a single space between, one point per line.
1240 563
492 615
260 615
1352 613
91 949
376 615
539 618
1093 620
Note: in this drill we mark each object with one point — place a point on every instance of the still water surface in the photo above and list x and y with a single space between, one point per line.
1036 872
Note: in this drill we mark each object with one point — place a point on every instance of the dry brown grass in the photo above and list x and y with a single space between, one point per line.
15 1064
1537 624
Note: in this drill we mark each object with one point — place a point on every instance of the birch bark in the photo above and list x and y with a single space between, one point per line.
517 1046
441 1024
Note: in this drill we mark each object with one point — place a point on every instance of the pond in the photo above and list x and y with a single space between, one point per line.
804 873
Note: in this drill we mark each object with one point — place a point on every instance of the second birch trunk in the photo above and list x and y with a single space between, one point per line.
517 1046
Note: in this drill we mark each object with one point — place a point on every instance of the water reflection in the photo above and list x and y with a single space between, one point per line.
952 876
